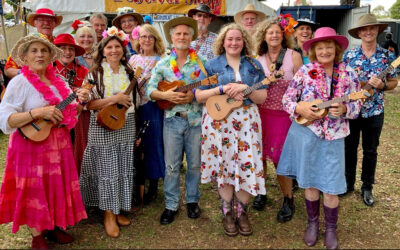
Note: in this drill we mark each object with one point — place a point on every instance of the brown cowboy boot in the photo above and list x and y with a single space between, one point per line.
123 220
110 224
242 219
311 235
228 220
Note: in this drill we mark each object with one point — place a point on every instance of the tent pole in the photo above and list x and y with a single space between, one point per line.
5 35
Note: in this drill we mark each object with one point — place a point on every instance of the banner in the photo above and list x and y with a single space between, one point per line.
218 7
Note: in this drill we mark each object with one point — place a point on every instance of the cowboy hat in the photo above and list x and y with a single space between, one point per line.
202 8
364 21
126 11
249 9
178 21
18 51
326 33
306 21
67 40
43 12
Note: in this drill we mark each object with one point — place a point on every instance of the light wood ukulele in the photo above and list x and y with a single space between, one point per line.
164 86
39 129
113 117
392 66
323 106
220 106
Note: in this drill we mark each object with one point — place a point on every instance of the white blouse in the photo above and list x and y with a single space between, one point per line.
20 96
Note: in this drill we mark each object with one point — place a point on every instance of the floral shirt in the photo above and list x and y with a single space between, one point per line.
204 45
147 63
367 68
163 72
311 83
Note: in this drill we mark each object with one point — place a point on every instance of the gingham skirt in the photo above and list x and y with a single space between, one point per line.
108 170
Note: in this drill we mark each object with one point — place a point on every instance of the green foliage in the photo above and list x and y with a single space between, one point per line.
380 12
395 10
8 16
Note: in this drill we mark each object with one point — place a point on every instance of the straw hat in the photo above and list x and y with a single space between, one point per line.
19 48
249 9
202 8
364 21
68 40
43 12
177 21
126 11
326 33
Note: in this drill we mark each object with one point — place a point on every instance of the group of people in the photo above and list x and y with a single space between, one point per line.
274 66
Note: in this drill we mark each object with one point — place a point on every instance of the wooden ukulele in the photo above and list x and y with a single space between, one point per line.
392 66
323 106
113 117
164 86
220 106
39 129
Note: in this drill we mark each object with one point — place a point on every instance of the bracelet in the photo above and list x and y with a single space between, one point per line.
31 114
384 86
194 94
18 72
221 90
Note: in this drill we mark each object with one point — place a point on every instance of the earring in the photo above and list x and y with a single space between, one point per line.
123 58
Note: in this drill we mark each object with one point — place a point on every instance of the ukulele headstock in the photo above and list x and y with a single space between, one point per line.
359 95
89 84
273 77
138 72
210 80
395 63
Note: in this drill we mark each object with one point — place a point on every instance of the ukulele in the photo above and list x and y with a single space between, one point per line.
39 129
220 106
392 66
113 116
164 86
323 106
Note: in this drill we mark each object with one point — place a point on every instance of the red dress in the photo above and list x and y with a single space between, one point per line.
81 129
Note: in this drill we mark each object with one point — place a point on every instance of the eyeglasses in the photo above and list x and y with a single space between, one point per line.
147 37
45 20
203 15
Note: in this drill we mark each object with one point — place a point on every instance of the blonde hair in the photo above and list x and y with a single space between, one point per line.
159 47
219 49
86 29
338 50
261 45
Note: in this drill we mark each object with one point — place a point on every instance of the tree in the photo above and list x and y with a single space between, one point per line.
379 11
395 10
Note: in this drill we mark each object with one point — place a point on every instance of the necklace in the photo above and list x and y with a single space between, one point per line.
272 66
193 59
88 55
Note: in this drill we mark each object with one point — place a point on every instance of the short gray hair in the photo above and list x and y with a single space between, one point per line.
86 29
100 16
191 30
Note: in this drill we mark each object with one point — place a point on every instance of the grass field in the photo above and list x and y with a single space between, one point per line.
359 226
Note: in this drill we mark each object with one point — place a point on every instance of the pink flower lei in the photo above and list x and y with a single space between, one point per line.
69 112
339 73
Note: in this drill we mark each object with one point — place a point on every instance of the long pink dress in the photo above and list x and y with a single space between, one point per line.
275 121
40 186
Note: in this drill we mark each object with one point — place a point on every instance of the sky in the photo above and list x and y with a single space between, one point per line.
275 4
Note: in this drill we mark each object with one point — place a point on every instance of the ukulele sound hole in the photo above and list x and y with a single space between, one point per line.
230 100
120 106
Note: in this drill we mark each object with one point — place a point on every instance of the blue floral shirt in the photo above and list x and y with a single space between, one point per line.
204 45
163 72
368 68
249 74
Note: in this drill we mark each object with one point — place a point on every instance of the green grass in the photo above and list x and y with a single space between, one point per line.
359 226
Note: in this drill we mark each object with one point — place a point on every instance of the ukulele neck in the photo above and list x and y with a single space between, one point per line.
67 101
327 104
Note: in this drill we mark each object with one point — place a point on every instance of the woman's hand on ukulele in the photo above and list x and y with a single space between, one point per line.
83 95
337 109
236 91
376 83
308 112
50 113
123 99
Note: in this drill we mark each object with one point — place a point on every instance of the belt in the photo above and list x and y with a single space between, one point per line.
182 114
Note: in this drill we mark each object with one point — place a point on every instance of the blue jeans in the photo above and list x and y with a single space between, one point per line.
179 136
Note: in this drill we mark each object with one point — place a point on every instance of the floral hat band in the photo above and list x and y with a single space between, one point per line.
114 31
287 23
79 24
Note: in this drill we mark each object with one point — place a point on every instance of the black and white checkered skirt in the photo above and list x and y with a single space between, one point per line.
108 170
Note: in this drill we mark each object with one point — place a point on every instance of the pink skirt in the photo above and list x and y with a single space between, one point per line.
275 126
40 187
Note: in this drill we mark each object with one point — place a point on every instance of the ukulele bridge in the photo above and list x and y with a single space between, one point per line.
217 107
35 126
114 117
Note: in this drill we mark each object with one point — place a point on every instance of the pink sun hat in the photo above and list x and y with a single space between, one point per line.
326 33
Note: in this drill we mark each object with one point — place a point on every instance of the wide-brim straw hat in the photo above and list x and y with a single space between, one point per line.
306 21
249 9
43 12
178 21
326 33
65 39
19 48
202 8
364 21
126 11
